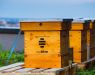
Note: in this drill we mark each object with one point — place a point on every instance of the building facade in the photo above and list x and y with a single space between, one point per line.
7 37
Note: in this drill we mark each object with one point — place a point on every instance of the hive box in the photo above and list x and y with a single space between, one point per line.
46 43
78 40
92 39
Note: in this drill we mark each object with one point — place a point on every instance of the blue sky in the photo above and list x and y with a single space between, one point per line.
47 8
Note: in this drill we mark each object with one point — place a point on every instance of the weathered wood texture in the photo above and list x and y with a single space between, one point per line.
18 69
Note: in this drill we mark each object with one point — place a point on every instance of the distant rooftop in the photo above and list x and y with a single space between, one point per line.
2 27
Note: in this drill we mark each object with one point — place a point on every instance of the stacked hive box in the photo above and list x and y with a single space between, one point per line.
88 22
92 39
46 43
78 40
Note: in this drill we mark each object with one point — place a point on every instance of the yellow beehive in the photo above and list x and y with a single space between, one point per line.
78 40
46 44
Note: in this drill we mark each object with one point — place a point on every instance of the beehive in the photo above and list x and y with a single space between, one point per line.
46 43
92 39
78 40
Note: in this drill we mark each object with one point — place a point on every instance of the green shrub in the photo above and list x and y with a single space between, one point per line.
16 57
89 71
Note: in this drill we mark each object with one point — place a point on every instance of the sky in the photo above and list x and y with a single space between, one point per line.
47 8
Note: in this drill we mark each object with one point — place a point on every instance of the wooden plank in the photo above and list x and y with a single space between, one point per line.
38 70
16 73
24 69
86 64
18 70
54 69
11 66
12 69
89 60
29 73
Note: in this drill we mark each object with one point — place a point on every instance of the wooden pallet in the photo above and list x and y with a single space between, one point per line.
87 64
18 69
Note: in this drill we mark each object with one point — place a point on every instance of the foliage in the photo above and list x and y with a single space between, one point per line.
16 57
89 71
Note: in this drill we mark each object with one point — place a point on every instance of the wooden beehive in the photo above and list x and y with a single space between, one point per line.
46 43
92 39
78 40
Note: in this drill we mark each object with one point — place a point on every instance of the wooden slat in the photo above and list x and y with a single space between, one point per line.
29 73
54 69
19 70
13 73
12 69
38 70
11 66
25 70
89 60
